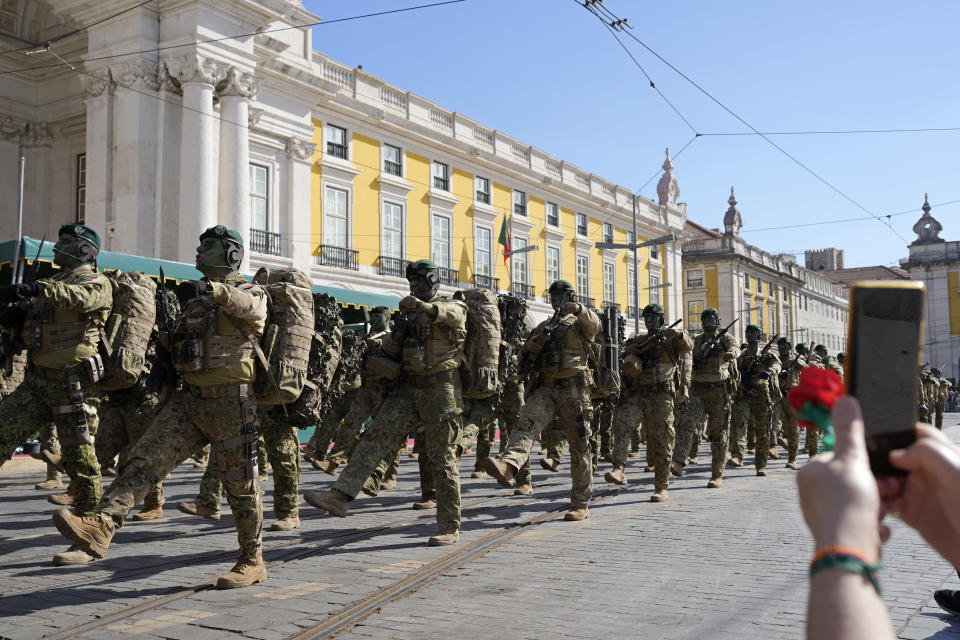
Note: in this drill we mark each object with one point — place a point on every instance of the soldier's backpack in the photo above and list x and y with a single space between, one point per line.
480 371
513 312
606 353
284 349
308 409
125 335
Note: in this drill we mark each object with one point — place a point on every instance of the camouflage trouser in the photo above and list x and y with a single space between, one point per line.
125 417
31 408
601 428
508 415
812 442
389 466
554 440
739 417
708 401
50 442
365 403
787 423
655 411
434 401
568 399
202 455
478 417
756 409
325 432
185 423
938 411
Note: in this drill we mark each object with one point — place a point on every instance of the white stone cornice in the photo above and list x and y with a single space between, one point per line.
137 73
26 133
443 198
96 82
238 83
390 182
298 149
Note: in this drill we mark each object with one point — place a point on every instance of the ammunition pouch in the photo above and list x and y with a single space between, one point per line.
81 432
246 441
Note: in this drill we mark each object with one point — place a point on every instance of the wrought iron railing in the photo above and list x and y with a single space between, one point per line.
586 300
393 168
483 197
522 290
340 257
337 150
263 241
441 183
486 282
396 267
607 304
450 277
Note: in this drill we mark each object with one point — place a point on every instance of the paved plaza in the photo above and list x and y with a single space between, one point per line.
724 563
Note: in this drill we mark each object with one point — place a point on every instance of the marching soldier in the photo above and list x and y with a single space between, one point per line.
559 351
759 369
709 396
217 363
59 321
786 420
429 342
656 369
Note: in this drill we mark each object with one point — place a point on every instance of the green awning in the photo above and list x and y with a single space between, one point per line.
177 271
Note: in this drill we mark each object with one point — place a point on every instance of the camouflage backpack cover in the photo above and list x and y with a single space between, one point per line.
607 353
353 351
513 313
325 347
284 349
480 371
125 336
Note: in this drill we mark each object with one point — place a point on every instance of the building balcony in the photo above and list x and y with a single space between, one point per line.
396 267
607 305
486 282
337 150
522 290
449 277
339 257
586 300
267 242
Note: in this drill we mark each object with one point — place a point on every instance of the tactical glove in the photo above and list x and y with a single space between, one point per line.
12 317
570 308
190 289
22 291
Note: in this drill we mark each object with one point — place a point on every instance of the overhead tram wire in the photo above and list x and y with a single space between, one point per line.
829 133
75 31
813 224
756 131
235 37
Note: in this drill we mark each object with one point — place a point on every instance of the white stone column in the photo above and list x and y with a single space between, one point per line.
198 175
233 206
299 153
166 229
135 154
99 149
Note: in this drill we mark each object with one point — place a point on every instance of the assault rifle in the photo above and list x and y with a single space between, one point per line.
708 346
746 377
529 360
12 345
655 338
163 363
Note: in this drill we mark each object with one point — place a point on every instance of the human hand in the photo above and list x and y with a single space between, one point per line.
925 498
570 308
22 291
727 356
190 289
411 303
838 493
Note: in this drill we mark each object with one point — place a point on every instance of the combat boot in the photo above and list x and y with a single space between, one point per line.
576 515
195 509
425 504
51 458
550 464
676 468
773 454
762 472
61 499
735 462
329 467
523 490
617 476
444 539
91 533
334 502
502 472
73 555
153 513
53 481
792 464
388 485
286 524
782 442
660 495
246 572
693 460
649 468
634 454
715 483
370 488
479 473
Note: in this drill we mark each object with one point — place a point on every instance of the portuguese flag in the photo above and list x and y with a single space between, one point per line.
505 238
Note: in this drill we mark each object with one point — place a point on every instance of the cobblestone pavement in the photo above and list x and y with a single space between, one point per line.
726 563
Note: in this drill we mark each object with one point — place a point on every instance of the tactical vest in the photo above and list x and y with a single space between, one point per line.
13 370
791 378
59 337
565 353
208 347
656 366
712 367
439 350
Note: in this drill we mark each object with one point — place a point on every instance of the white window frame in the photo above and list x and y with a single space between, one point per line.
631 285
694 309
609 268
653 283
559 271
586 225
556 209
478 231
586 260
520 263
524 203
434 166
349 215
80 190
445 264
607 231
265 197
384 203
691 283
327 138
477 191
383 159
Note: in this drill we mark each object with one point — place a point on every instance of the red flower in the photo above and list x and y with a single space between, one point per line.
819 387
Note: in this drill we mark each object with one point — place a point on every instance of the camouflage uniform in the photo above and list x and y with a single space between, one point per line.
813 435
709 399
212 407
786 418
478 417
758 393
61 331
429 392
651 372
564 392
941 402
509 404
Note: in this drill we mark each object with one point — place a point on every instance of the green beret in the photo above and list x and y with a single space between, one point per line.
81 231
709 311
754 327
783 339
420 266
801 345
653 308
560 285
220 232
820 346
380 309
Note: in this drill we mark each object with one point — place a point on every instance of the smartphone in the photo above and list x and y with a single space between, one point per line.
883 360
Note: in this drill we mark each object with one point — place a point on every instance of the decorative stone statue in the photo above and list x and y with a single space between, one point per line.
927 227
731 219
668 189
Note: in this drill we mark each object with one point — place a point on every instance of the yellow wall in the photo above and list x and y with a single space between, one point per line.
418 207
366 200
713 288
953 298
461 244
316 190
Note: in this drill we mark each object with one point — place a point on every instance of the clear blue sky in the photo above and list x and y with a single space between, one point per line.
549 74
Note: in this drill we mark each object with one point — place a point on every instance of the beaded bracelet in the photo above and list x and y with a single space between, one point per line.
846 559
